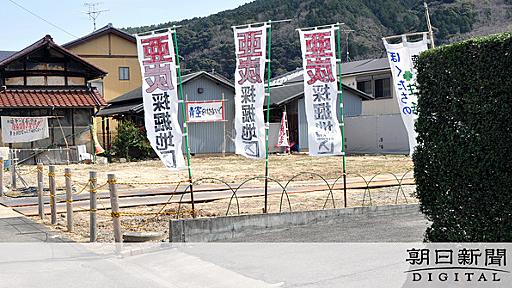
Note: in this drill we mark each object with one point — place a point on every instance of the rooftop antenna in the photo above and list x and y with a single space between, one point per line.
347 31
93 12
348 51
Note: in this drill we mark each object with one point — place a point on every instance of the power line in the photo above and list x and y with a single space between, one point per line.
41 18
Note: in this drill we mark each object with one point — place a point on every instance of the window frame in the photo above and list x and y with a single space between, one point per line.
390 96
372 79
121 74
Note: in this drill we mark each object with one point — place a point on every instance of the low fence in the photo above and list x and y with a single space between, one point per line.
182 192
48 156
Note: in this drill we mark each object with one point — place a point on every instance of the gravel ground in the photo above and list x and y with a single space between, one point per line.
250 205
232 168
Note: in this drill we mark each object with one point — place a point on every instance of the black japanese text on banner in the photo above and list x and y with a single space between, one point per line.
24 129
160 98
402 60
321 91
250 49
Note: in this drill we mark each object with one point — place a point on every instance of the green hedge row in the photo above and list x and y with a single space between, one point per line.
463 162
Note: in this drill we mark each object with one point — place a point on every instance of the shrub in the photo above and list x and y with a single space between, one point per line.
131 142
463 162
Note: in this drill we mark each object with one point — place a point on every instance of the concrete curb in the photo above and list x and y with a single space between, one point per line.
228 227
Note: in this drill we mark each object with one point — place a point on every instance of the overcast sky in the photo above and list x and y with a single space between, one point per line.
20 28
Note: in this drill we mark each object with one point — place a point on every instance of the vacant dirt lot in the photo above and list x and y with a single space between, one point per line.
232 169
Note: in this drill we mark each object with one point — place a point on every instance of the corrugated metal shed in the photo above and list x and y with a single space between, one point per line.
209 137
199 86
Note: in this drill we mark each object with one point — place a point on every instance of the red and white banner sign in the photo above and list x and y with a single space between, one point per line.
250 50
321 91
208 111
24 129
159 92
282 141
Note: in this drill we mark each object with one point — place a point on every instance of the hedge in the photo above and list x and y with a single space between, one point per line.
463 162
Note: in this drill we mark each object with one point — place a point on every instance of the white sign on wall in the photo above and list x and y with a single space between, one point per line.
208 111
24 129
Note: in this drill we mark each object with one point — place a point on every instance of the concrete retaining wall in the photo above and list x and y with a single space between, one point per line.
228 227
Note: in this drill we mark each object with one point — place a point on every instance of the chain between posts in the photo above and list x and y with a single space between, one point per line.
285 192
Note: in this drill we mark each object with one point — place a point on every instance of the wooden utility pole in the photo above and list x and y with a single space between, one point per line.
92 202
69 199
51 184
115 208
40 190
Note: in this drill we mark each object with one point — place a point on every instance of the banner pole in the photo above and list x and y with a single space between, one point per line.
184 115
429 25
267 126
223 127
342 120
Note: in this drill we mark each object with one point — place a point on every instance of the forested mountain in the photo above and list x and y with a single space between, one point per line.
207 43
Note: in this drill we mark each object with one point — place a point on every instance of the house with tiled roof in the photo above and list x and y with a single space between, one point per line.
45 79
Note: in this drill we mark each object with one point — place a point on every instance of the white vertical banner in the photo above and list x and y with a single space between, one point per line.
321 91
402 60
159 92
250 50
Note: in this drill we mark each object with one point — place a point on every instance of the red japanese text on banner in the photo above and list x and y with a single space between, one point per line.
24 129
321 91
160 98
250 50
402 60
282 140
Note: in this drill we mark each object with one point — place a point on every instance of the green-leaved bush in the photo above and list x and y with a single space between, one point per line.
131 142
463 162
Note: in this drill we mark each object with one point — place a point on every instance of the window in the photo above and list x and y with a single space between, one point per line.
98 84
55 81
76 81
36 81
124 73
379 86
14 81
365 86
382 88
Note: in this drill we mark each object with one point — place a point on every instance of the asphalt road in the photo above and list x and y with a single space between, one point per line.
403 227
15 227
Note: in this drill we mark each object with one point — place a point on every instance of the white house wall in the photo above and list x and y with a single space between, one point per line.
377 106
